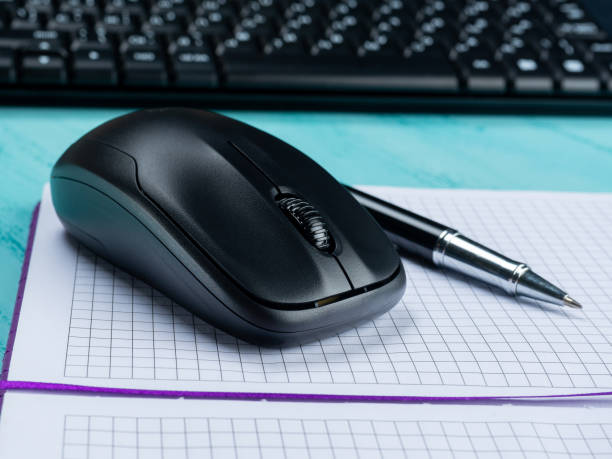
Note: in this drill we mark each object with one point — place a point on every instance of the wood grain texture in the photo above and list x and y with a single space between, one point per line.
441 151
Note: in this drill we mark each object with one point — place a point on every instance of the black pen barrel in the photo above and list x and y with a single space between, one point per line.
411 232
447 248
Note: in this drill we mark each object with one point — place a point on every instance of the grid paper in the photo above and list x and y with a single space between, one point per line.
95 437
76 426
446 331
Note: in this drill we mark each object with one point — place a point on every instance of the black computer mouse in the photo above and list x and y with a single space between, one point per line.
230 222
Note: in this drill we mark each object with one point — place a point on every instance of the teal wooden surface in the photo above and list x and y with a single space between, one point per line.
451 151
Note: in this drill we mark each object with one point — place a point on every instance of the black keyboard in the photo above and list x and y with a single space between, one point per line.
300 53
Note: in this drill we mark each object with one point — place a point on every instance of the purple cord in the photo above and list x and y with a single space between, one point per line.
75 388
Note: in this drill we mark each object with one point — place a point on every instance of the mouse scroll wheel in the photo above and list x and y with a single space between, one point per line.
309 221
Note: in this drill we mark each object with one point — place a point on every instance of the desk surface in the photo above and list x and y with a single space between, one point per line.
441 151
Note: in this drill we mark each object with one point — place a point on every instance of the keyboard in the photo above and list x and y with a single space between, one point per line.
436 54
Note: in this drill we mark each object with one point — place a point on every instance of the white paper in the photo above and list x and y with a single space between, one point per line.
74 427
84 322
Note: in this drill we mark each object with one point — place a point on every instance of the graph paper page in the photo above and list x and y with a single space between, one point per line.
78 427
85 322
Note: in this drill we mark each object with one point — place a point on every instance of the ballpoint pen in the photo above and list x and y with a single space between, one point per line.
447 248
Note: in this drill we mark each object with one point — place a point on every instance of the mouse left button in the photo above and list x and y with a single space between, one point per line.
99 166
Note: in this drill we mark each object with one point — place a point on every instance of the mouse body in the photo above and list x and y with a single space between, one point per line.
232 223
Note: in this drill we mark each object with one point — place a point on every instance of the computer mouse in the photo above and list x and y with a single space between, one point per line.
228 221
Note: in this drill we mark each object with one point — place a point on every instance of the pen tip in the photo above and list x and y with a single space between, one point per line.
572 303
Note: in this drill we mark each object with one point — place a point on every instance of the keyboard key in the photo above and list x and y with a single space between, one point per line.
26 20
526 71
66 22
529 75
138 42
44 7
598 50
581 30
180 7
184 41
131 7
94 67
82 7
303 26
89 37
43 68
482 73
243 44
194 67
210 24
222 8
16 39
333 44
562 49
165 23
144 68
8 8
116 23
91 45
417 73
577 76
288 44
46 46
601 55
380 46
528 30
7 66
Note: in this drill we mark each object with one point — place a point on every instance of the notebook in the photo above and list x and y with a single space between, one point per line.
75 427
449 336
84 328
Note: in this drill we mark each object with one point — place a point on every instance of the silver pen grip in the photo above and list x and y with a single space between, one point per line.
457 252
